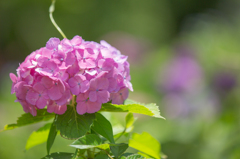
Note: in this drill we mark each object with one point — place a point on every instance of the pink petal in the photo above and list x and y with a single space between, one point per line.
32 110
112 84
39 87
29 79
84 86
64 99
51 106
41 102
81 108
75 90
32 97
103 96
61 109
93 96
42 61
90 63
125 93
46 53
74 69
77 40
66 45
80 77
72 82
128 85
100 63
13 77
21 90
93 84
52 43
108 64
117 99
70 59
93 107
82 97
47 82
54 93
103 83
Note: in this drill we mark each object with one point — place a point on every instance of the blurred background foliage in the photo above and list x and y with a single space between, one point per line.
184 56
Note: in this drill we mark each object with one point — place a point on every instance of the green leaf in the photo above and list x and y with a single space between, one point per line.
38 137
51 137
146 143
59 155
72 125
132 156
102 156
118 149
133 107
135 156
129 120
119 130
144 155
27 118
89 141
103 127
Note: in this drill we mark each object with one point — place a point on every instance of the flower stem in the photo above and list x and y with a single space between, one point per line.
51 10
73 101
90 153
121 134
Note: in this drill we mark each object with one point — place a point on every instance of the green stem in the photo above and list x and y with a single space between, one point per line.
51 10
90 153
108 154
121 134
73 101
80 153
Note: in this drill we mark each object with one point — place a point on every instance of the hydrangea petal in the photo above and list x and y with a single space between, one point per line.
93 107
32 97
81 108
93 96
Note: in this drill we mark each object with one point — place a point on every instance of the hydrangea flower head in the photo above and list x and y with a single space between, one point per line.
50 77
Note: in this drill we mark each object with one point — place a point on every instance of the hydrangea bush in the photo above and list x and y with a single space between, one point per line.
71 82
53 75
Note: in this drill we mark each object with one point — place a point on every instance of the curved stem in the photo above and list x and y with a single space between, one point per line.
121 134
51 10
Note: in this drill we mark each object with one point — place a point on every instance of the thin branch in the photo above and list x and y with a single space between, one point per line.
51 10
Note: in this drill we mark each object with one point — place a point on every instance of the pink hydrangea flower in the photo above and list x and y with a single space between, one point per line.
78 84
37 95
98 90
51 76
120 96
84 105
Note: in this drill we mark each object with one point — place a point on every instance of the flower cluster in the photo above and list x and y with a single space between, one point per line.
51 76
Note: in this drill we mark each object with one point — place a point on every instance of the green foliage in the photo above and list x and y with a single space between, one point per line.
118 149
89 141
27 118
51 137
38 137
59 155
72 125
129 120
103 127
102 156
134 156
145 143
133 107
94 133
